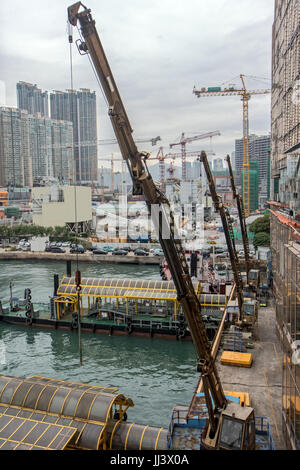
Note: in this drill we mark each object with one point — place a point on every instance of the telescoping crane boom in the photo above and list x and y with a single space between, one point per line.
242 217
219 410
217 200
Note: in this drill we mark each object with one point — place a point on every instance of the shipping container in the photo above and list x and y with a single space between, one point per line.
214 88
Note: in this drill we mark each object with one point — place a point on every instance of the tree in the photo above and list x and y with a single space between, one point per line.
261 239
262 224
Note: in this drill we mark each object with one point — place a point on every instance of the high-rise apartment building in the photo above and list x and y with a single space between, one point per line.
62 150
218 164
259 151
79 107
32 99
33 147
15 157
40 142
285 207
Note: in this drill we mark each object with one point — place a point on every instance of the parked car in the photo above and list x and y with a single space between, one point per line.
126 248
120 252
57 249
158 252
23 248
66 244
97 251
140 252
77 249
219 251
107 249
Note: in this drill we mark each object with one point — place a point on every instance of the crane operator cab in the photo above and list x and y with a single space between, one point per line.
236 430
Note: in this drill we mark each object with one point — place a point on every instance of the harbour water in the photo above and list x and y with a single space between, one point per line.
156 374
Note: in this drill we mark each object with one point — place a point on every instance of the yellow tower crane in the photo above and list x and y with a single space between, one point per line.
246 95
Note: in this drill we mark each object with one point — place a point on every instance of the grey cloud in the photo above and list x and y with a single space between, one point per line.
157 51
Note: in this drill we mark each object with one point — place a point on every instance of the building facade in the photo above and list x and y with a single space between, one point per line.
259 151
40 142
254 185
15 157
285 206
79 107
34 147
32 99
60 205
285 101
63 161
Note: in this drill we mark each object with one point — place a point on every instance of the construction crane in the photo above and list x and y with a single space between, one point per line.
161 157
102 185
140 141
246 95
241 212
162 170
186 140
228 231
224 416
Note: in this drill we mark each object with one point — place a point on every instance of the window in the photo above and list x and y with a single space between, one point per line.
231 433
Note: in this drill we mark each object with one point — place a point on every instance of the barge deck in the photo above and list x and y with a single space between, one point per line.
114 306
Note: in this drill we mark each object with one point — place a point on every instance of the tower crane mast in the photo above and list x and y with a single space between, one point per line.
246 95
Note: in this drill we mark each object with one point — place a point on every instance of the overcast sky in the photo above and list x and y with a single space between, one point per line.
158 50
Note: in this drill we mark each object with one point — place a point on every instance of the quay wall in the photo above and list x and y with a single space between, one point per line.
128 259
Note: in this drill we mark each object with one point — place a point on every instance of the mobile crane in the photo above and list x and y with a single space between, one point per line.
228 231
242 217
230 425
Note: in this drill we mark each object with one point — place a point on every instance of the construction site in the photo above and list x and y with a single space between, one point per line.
236 301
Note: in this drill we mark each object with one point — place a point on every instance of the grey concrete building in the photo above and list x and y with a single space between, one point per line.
285 206
79 107
32 99
15 157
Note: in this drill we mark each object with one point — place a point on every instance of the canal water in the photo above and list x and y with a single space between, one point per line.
156 374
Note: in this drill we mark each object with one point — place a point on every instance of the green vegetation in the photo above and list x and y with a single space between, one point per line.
261 239
62 234
262 224
261 228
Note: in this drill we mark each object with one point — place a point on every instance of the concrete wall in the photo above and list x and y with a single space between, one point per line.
49 212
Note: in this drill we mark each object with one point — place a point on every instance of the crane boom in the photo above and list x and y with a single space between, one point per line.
145 185
219 410
227 231
241 212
